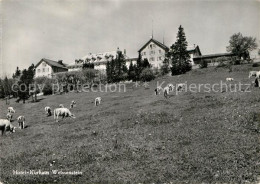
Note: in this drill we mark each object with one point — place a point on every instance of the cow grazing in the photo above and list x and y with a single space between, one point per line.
11 110
97 101
166 91
63 112
158 90
171 87
21 121
48 110
9 116
257 75
229 79
5 125
252 73
180 86
73 104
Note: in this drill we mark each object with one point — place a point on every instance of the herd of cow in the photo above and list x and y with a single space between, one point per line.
179 87
61 111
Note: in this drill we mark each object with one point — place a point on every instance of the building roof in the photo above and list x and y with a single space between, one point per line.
97 58
193 49
213 55
51 63
156 42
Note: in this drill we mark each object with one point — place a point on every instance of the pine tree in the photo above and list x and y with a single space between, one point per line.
145 63
108 72
138 66
178 54
17 72
27 78
131 72
165 67
2 94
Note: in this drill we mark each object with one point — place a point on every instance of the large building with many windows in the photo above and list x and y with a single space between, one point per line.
99 60
154 51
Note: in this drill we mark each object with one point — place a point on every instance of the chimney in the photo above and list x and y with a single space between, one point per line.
124 51
60 62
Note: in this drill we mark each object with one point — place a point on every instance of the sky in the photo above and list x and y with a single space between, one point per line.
70 29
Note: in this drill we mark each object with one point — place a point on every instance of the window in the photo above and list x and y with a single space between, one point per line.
151 59
152 52
160 51
144 53
43 70
159 58
47 69
39 70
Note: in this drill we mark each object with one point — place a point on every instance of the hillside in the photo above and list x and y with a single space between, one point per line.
137 137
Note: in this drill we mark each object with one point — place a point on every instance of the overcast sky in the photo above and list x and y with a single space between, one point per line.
70 29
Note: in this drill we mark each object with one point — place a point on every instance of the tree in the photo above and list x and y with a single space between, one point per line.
116 69
2 94
131 72
108 72
165 67
7 86
17 73
178 54
139 67
147 75
145 63
241 45
27 78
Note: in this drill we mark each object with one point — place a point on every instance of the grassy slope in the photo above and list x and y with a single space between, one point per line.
191 137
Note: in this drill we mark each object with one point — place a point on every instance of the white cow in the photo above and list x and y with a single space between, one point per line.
48 110
229 79
9 116
97 101
171 87
158 90
180 86
63 112
252 73
5 125
21 121
166 91
11 110
257 75
73 103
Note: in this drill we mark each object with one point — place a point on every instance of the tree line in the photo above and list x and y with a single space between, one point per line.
177 61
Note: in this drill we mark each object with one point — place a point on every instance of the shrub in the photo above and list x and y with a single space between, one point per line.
147 75
182 68
237 62
255 65
47 90
46 83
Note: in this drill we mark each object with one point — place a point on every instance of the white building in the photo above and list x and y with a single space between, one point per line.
154 51
98 59
47 68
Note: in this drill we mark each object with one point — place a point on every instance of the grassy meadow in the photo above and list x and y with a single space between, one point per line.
137 137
